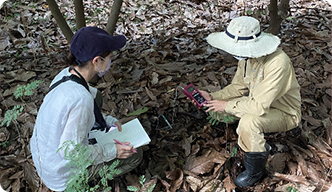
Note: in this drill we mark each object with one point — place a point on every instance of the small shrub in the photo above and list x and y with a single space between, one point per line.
141 181
11 115
79 159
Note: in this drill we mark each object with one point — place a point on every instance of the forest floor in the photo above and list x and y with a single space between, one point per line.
166 49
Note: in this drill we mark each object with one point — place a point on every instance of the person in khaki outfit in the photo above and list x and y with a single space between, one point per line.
264 93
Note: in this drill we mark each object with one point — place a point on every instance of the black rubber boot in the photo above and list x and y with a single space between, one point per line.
254 162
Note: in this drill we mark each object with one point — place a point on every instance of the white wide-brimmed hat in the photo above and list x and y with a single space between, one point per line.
243 38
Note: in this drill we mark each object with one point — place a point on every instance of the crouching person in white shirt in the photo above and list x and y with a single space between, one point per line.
69 112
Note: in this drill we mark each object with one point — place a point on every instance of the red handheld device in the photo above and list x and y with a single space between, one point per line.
192 92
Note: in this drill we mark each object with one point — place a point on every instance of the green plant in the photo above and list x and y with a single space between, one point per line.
4 144
292 189
11 115
78 157
15 4
23 90
141 181
289 18
249 12
215 118
228 119
234 152
138 111
26 90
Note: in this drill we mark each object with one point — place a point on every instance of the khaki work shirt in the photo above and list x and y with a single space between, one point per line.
263 83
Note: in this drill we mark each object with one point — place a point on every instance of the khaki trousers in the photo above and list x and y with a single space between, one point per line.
251 128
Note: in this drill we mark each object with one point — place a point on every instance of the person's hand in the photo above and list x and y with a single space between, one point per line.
119 125
124 151
216 105
206 95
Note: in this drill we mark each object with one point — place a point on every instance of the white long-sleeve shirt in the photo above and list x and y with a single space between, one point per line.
65 114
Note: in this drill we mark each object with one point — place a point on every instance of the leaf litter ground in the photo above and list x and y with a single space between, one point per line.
166 50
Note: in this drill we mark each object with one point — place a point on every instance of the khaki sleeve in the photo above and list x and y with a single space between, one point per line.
236 89
276 83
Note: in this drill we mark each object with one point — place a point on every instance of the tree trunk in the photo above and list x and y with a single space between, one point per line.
283 9
60 20
277 14
79 11
274 26
114 15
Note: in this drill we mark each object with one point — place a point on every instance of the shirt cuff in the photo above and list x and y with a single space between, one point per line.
110 151
110 120
231 106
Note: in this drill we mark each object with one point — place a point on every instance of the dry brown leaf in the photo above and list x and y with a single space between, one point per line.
327 125
229 184
292 178
17 175
193 183
298 186
186 145
165 184
323 185
150 94
304 151
30 175
212 185
278 162
205 163
300 160
176 177
312 120
292 167
195 148
313 174
314 141
16 185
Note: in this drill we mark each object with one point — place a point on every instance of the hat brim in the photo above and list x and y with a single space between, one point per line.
116 42
263 45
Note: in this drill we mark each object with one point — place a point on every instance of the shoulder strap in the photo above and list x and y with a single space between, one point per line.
64 79
98 116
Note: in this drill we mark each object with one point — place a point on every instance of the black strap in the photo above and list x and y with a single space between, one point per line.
242 38
80 80
245 67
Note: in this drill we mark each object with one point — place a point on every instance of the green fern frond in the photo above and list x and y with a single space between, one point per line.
11 115
27 90
132 188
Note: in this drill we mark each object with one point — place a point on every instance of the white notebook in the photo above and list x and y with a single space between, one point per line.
132 132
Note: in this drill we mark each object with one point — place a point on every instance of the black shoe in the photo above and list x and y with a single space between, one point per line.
254 162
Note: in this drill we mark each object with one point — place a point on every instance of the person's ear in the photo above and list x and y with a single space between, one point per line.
95 60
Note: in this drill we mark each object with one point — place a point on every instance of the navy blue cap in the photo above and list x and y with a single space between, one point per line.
89 42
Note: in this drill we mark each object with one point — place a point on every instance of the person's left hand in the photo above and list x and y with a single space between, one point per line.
216 105
119 125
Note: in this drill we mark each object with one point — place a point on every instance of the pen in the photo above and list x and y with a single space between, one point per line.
118 142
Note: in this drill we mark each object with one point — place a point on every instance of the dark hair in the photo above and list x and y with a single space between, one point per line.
71 59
